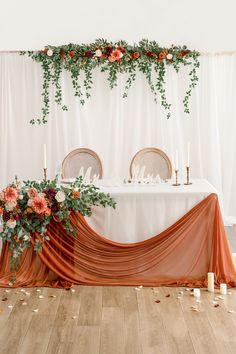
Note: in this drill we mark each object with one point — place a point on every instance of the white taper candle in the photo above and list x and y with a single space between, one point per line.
44 156
188 155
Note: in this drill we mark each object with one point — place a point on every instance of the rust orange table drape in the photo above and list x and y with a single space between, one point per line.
181 255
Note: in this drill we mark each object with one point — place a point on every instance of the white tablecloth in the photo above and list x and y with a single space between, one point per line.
143 211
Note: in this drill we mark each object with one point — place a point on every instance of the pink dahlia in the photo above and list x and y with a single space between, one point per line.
10 194
32 192
39 205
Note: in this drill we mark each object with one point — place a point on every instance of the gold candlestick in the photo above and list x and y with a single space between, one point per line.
176 179
187 183
45 173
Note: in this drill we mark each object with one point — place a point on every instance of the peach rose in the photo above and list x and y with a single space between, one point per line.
136 55
32 192
10 205
39 205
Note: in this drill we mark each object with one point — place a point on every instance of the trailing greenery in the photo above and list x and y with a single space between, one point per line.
146 57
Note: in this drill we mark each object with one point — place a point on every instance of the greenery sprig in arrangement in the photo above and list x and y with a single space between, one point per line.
28 209
146 57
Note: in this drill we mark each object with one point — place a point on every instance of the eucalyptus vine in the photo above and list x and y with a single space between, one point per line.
146 57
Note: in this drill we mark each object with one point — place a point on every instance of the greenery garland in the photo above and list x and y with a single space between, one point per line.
146 57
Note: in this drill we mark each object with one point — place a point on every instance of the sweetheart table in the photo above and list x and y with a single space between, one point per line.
188 241
143 211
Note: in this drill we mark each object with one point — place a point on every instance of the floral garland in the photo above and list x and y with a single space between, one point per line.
28 209
146 57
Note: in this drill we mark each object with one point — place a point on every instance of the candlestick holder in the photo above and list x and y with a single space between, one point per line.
45 173
176 179
187 183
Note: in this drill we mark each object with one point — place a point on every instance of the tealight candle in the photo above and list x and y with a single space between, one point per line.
196 292
223 289
210 282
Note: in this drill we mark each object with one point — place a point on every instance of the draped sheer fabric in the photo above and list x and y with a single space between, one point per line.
182 255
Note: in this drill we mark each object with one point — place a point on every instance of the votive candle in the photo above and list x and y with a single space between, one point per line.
223 289
210 282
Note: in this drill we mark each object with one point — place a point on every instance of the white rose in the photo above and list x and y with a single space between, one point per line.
50 52
60 196
30 201
21 196
10 205
98 53
169 56
11 224
26 238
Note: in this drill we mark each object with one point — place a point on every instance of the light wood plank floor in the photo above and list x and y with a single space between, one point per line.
112 320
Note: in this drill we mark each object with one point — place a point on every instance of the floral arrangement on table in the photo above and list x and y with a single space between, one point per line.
29 207
146 57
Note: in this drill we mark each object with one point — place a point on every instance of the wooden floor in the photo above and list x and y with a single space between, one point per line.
111 320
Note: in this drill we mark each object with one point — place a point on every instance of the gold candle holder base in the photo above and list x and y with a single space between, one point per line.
176 179
45 174
187 183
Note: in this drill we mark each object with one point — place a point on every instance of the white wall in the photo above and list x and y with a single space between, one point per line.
206 25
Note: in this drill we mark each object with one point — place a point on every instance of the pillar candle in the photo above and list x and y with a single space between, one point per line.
234 259
196 292
223 289
44 156
210 281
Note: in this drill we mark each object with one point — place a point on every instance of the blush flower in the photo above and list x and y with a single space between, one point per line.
10 194
10 205
11 223
116 55
32 192
98 53
39 205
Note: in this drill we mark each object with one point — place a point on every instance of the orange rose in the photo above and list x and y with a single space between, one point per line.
121 49
136 55
72 53
29 210
163 54
75 195
1 211
48 212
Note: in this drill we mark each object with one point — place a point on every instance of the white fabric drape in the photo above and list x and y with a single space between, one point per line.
117 128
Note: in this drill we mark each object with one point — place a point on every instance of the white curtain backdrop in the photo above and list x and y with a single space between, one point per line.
117 128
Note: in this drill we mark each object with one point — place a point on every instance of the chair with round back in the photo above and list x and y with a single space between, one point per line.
78 158
156 162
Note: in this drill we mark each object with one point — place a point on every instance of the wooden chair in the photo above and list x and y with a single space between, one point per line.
155 161
78 158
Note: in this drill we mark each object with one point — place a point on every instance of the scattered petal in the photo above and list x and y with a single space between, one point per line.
158 301
137 289
195 309
7 291
179 297
73 317
24 303
198 301
140 286
17 292
187 289
72 290
36 310
216 299
26 293
10 306
181 292
22 290
38 290
229 293
40 296
22 299
216 305
220 297
167 295
215 302
230 311
10 284
4 299
52 295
